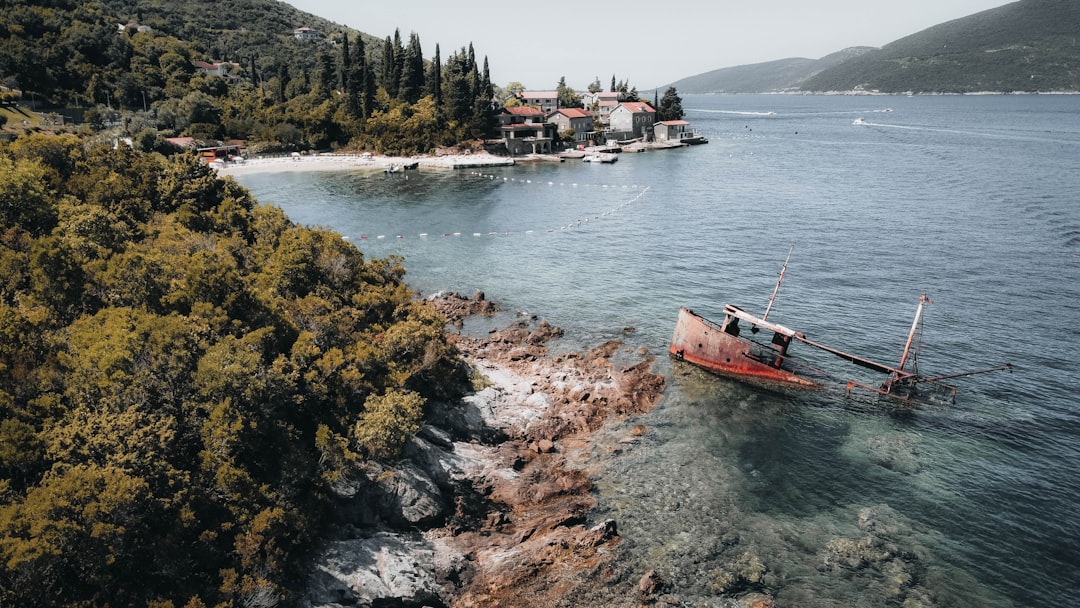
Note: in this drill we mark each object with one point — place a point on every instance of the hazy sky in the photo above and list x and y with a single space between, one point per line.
648 44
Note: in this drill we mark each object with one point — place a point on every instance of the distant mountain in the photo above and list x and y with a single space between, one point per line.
1032 45
768 77
1026 46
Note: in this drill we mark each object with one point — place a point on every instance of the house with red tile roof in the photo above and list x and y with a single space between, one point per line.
573 119
217 68
525 130
632 118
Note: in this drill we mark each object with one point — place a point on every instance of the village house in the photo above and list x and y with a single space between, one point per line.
602 102
548 101
308 34
575 119
677 131
525 130
217 68
630 120
131 26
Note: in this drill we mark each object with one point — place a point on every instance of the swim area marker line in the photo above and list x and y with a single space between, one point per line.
578 222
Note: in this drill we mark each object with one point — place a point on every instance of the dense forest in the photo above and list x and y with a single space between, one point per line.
281 94
184 375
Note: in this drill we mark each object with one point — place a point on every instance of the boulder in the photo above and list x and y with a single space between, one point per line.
412 496
383 569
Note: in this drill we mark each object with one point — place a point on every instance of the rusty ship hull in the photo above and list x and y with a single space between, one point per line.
720 349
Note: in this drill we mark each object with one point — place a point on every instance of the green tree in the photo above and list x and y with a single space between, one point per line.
75 537
387 422
568 98
411 86
25 201
670 106
434 79
325 77
512 90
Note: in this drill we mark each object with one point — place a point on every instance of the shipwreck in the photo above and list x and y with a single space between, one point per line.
734 349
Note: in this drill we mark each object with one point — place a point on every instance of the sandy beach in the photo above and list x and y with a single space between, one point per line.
339 162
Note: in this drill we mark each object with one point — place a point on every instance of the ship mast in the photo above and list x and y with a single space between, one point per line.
923 301
780 279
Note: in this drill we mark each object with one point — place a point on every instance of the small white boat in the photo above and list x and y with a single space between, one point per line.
859 121
603 157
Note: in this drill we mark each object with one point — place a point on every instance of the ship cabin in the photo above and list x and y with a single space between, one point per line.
781 339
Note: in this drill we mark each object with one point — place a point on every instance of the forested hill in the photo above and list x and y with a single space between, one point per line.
235 70
235 30
1031 45
57 49
184 376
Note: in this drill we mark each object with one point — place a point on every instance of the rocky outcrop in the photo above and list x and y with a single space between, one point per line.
455 307
370 571
489 506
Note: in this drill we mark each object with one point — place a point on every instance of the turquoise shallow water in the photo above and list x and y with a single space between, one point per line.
972 200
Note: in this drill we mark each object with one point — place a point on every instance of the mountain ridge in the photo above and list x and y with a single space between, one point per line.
1024 46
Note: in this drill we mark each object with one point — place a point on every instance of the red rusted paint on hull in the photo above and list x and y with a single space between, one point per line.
699 341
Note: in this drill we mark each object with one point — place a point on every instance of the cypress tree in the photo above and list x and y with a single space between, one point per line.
411 86
346 60
387 79
457 92
283 80
325 76
356 78
434 79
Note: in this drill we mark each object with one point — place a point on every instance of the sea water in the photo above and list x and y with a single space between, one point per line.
971 200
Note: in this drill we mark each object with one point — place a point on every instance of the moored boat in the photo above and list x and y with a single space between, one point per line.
601 157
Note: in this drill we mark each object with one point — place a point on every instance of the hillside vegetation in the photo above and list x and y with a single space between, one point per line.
281 94
1026 46
184 375
1032 45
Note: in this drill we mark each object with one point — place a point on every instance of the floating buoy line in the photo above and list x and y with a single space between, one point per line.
634 193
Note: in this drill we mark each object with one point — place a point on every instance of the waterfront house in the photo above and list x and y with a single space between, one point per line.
576 119
677 131
631 119
525 130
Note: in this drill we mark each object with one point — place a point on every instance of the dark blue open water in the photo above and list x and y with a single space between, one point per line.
974 201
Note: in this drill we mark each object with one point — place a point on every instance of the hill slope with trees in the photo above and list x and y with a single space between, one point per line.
281 93
1031 45
184 375
1026 46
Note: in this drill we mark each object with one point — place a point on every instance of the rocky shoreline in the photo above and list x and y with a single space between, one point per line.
491 504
